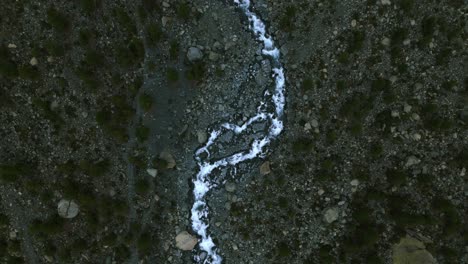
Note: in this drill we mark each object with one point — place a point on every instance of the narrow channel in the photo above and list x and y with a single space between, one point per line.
269 111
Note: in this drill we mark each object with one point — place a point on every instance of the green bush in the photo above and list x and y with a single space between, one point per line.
183 11
174 49
283 249
142 133
131 54
29 72
8 67
89 6
94 169
125 20
10 173
142 186
172 75
307 84
58 20
396 177
196 72
356 42
154 32
146 102
287 20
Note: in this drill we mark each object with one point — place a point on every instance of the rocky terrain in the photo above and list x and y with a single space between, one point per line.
103 104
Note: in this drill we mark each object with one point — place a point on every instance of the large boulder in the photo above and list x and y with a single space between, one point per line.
411 251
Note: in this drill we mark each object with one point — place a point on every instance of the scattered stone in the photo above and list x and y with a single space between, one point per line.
50 59
12 234
33 61
213 56
331 215
386 2
314 123
355 182
265 168
416 136
415 117
67 209
152 172
165 20
202 136
194 54
407 108
353 22
166 156
413 251
320 192
185 241
412 160
11 46
385 41
307 126
230 186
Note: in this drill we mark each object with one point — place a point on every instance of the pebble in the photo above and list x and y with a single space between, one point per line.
320 192
202 137
407 108
355 182
385 41
314 123
386 2
331 215
230 186
194 54
265 168
412 160
353 23
11 46
152 172
416 136
33 61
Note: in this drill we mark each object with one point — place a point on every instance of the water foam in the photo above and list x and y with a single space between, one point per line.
202 183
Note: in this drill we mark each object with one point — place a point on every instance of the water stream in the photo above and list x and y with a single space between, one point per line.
270 110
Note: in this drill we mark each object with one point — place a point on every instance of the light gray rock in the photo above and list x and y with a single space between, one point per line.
185 241
166 156
152 172
202 136
230 186
67 209
331 215
265 168
194 54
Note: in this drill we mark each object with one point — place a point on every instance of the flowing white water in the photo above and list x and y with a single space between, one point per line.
202 182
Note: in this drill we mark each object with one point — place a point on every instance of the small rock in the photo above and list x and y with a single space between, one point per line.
213 56
331 215
230 186
194 54
164 21
353 22
385 42
415 117
152 172
386 2
307 126
265 168
11 46
314 123
416 136
48 258
412 160
166 156
320 192
355 182
33 61
202 136
50 59
407 108
185 241
67 209
12 234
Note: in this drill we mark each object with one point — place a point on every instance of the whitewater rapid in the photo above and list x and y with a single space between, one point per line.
274 102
